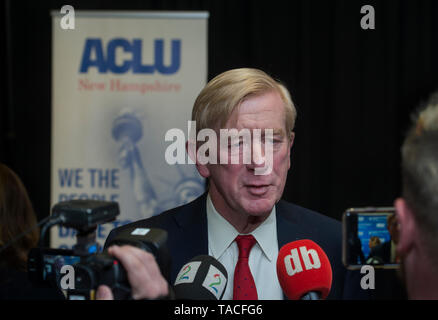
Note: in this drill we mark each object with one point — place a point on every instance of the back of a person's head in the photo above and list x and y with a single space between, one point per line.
16 216
420 171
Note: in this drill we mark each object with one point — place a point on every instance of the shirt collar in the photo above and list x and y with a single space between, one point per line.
221 233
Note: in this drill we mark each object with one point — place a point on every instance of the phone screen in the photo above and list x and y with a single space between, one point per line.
52 264
370 237
44 265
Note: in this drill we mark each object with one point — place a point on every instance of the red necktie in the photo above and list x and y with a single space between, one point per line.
244 285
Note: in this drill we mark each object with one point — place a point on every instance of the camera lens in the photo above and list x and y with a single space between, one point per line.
84 277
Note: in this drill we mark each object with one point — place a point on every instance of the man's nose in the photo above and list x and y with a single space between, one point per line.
257 155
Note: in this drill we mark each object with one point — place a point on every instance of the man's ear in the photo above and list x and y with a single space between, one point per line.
292 138
291 143
406 224
191 151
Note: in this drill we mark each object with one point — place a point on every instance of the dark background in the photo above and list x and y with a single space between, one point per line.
354 89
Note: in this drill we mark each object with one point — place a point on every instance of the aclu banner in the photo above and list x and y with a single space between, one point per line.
120 81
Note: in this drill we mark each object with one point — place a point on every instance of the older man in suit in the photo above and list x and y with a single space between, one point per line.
242 209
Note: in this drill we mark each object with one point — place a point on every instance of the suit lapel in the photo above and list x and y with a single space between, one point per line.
288 229
192 220
288 225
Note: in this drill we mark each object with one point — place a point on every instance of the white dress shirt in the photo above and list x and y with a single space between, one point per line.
263 255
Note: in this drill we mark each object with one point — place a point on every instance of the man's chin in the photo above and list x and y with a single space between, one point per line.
260 207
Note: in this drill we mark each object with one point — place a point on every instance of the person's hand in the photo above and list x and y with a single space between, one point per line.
143 272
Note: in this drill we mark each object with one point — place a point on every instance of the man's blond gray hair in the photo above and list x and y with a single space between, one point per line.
225 92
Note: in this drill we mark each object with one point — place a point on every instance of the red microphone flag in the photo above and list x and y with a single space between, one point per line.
303 267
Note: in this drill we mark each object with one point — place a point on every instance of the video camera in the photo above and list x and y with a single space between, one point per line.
91 267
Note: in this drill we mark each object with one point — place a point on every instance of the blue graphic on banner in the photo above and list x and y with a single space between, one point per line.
94 48
369 226
127 131
96 178
102 184
128 82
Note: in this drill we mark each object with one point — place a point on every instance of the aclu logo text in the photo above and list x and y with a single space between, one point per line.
310 259
121 55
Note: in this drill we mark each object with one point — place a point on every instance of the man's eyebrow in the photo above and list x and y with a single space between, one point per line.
275 132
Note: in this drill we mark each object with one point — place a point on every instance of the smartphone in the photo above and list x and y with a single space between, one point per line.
370 236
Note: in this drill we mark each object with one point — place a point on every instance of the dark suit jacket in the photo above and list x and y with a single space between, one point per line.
187 237
382 251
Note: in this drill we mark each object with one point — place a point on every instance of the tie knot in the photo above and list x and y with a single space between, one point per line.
245 244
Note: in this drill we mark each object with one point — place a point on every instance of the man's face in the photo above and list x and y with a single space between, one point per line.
393 228
236 188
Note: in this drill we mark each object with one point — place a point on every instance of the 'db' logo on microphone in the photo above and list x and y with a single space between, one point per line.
303 267
310 260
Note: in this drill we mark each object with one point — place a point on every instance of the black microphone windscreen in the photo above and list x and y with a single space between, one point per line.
202 278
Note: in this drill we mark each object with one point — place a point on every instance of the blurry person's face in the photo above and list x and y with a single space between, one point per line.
407 238
373 242
393 228
236 188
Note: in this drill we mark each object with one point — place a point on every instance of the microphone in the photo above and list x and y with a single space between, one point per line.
202 278
304 271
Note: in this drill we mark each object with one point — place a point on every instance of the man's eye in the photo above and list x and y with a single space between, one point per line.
235 144
272 140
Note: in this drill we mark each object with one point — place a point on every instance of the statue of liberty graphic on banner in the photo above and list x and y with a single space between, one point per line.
127 131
